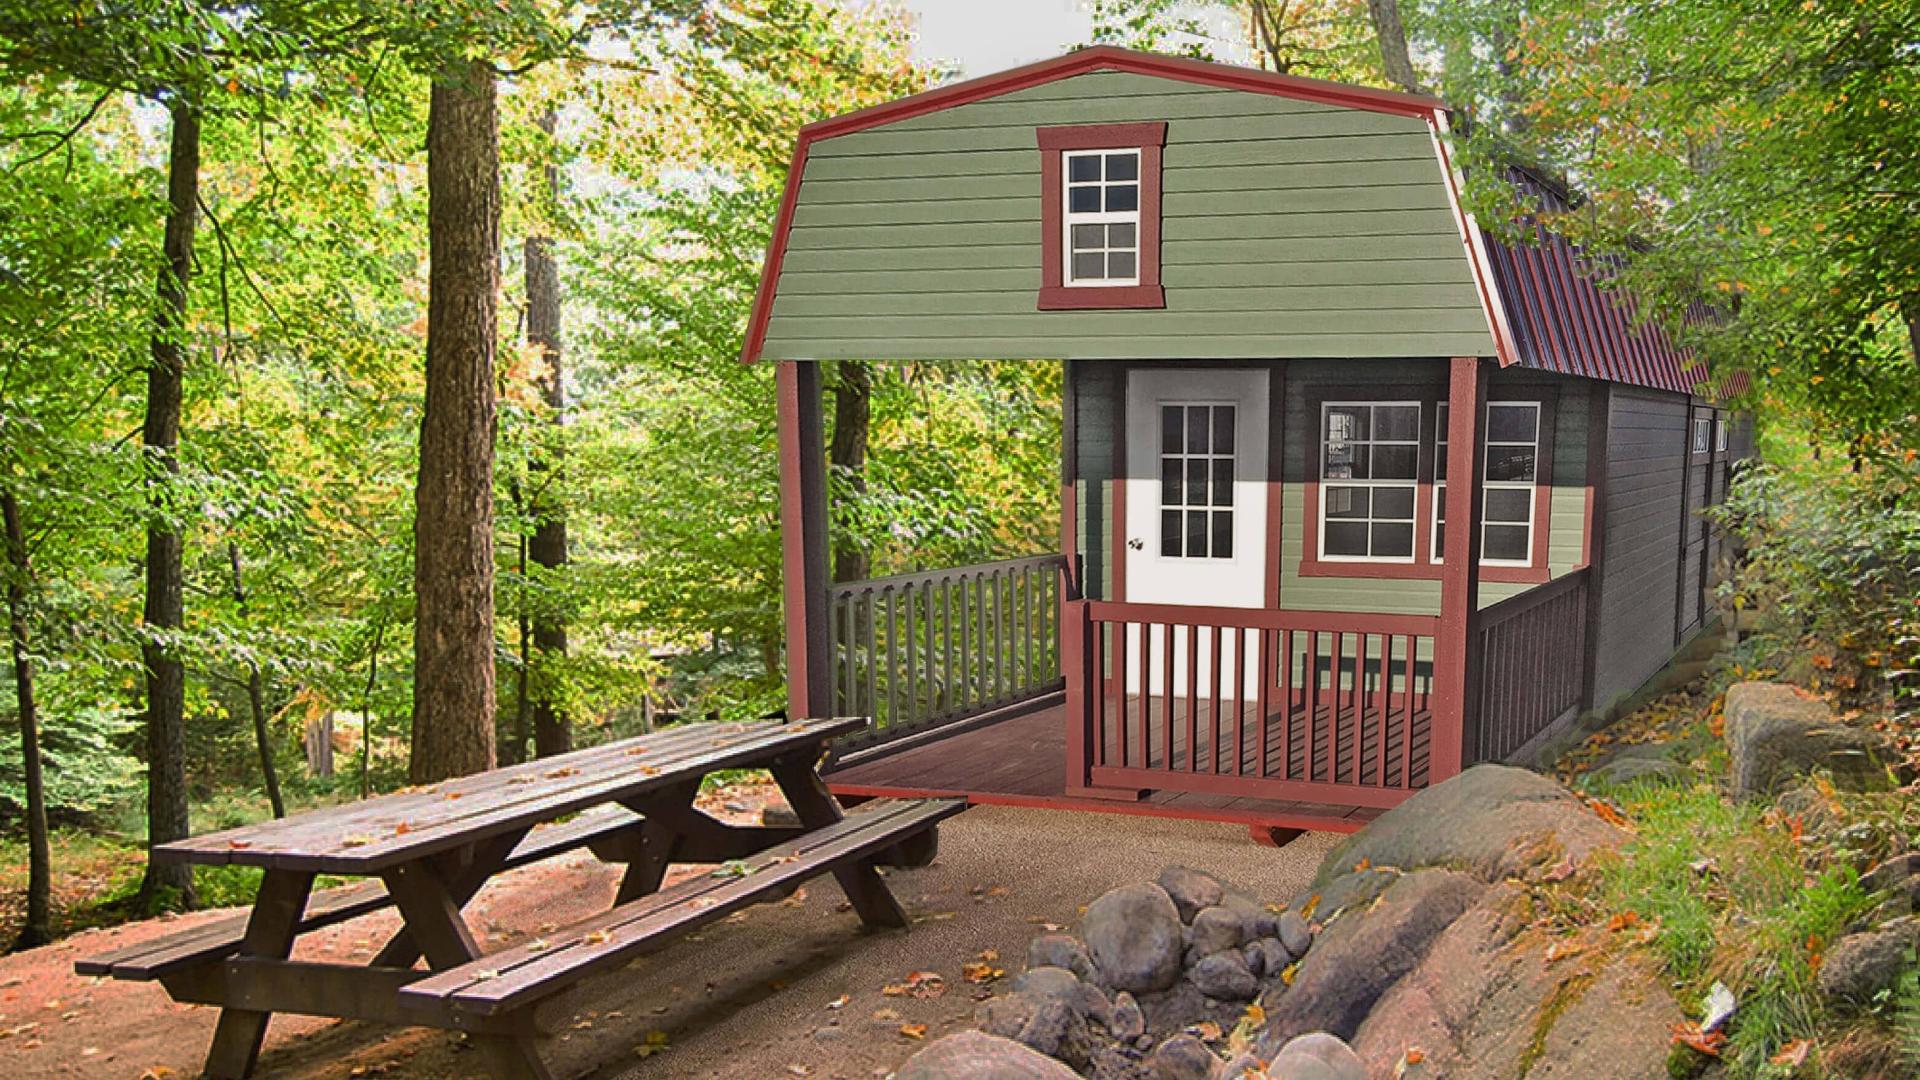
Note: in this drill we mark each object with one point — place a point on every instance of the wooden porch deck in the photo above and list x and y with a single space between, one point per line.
1022 761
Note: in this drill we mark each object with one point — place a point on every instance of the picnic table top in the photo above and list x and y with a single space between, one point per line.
375 834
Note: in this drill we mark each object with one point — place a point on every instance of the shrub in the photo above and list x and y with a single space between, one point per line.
1833 559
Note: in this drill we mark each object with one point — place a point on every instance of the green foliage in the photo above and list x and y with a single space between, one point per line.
1732 898
1833 558
1762 155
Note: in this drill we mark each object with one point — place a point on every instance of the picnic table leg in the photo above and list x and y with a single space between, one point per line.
434 923
271 928
816 808
654 841
483 862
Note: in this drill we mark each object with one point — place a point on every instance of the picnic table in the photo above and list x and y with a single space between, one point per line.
426 852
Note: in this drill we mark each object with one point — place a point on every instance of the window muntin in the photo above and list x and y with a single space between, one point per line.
1102 217
1510 470
1702 433
1196 480
1369 480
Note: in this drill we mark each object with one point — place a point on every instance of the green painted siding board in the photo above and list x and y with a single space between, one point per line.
1079 110
1134 347
1290 229
1392 282
1019 300
890 139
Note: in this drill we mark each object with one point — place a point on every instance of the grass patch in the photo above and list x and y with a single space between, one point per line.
1732 898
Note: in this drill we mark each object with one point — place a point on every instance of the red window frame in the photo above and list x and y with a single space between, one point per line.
1055 293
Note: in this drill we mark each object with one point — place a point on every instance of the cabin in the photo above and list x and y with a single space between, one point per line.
1282 596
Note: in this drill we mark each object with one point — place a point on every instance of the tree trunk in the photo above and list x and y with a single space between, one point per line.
552 728
1385 16
167 815
257 696
847 457
453 679
366 711
39 926
1910 311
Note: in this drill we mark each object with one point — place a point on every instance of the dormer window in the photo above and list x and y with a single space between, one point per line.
1100 216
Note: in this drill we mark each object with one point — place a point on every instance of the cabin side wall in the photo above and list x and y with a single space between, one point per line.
1646 470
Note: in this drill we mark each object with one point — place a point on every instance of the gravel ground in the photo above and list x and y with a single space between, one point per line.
788 989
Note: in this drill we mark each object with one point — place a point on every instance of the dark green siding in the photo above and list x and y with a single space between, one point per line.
1101 389
1289 229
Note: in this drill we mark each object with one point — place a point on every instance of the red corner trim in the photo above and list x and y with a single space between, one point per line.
1055 294
1097 58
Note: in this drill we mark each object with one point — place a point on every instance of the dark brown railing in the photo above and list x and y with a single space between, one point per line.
917 651
1328 707
1531 651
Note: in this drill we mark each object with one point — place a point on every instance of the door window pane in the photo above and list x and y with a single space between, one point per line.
1197 474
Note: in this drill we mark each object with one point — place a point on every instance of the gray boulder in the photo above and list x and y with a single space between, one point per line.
1317 1056
974 1055
1216 929
1358 958
1005 1016
1128 1022
1134 936
1275 957
1775 736
1255 958
1631 770
1860 966
1183 1057
1061 951
1224 977
1294 934
1059 1030
1494 821
1190 890
1348 888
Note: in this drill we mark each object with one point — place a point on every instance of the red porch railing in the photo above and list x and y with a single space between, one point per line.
1324 707
1531 665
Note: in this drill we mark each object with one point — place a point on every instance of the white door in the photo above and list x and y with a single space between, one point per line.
1196 504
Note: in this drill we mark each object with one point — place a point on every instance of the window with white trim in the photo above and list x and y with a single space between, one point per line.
1102 216
1510 470
1720 435
1702 433
1369 478
1196 480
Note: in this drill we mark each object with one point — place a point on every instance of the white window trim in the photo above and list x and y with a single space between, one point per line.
1702 434
1720 435
1530 486
1068 218
1320 433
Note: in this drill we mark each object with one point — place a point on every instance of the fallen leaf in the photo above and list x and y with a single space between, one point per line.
1560 950
914 1031
797 1069
1794 1054
840 1002
980 972
1623 920
1706 1042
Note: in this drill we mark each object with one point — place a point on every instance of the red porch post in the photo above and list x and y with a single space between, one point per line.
1455 665
803 538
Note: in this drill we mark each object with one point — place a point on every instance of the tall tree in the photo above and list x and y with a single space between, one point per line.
453 696
38 928
847 456
167 812
547 547
1392 36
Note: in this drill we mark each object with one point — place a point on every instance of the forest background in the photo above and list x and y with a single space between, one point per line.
216 296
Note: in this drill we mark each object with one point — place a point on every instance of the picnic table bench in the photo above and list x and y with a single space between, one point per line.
428 851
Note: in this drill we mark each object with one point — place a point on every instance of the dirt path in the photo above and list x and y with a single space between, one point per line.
787 989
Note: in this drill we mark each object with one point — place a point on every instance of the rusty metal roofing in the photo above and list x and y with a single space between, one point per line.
1564 318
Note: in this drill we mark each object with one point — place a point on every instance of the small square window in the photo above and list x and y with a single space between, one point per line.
1103 217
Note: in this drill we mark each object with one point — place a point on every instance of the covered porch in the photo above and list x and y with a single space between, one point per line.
1018 682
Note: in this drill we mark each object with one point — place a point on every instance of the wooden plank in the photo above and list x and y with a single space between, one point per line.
521 975
313 841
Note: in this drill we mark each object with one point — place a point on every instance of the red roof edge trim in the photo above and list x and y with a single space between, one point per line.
776 253
1113 58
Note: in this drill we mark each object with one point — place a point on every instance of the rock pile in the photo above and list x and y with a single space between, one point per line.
1152 961
1412 937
